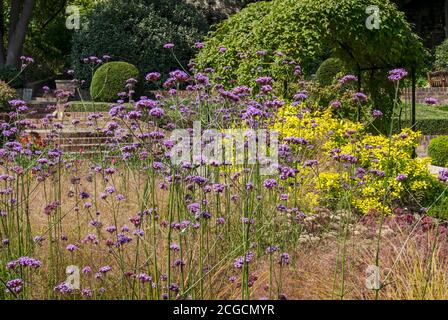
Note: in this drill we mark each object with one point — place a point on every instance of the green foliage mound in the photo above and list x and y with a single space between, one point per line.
303 30
110 79
328 71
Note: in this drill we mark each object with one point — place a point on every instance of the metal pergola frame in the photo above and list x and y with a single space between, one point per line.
413 88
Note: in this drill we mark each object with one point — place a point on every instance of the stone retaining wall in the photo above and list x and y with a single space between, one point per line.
421 94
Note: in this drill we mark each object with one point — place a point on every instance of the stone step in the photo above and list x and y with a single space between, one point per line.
84 140
39 124
84 147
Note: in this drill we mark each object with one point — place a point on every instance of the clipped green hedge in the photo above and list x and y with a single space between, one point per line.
110 79
429 126
438 151
328 71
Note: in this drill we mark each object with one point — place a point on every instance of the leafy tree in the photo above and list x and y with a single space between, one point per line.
135 31
37 29
20 13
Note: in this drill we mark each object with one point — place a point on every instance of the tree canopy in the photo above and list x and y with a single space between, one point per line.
136 33
304 30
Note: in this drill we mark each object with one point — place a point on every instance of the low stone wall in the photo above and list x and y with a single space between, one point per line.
421 94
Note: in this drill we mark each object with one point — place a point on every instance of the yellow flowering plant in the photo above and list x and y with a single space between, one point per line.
339 159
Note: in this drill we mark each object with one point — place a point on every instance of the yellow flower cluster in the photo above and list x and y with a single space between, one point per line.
319 128
374 172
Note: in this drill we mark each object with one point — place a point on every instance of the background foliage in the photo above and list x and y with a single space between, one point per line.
441 57
307 31
438 151
136 32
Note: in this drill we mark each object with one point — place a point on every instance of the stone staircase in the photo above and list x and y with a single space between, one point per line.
57 128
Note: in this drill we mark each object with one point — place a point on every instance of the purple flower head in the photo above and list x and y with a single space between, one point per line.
263 81
152 76
240 261
270 183
105 269
310 163
271 249
300 96
87 293
157 112
168 46
401 177
84 195
72 247
178 75
336 104
15 285
194 207
202 79
397 74
144 278
24 262
63 288
199 45
284 259
86 270
359 97
348 78
431 101
377 114
443 175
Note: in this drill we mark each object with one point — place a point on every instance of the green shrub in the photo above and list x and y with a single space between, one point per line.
328 71
136 33
438 151
110 79
6 94
441 62
11 74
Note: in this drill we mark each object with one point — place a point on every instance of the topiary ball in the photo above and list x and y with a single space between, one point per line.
110 79
438 151
328 71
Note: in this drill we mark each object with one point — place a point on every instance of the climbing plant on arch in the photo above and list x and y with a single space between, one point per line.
307 30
